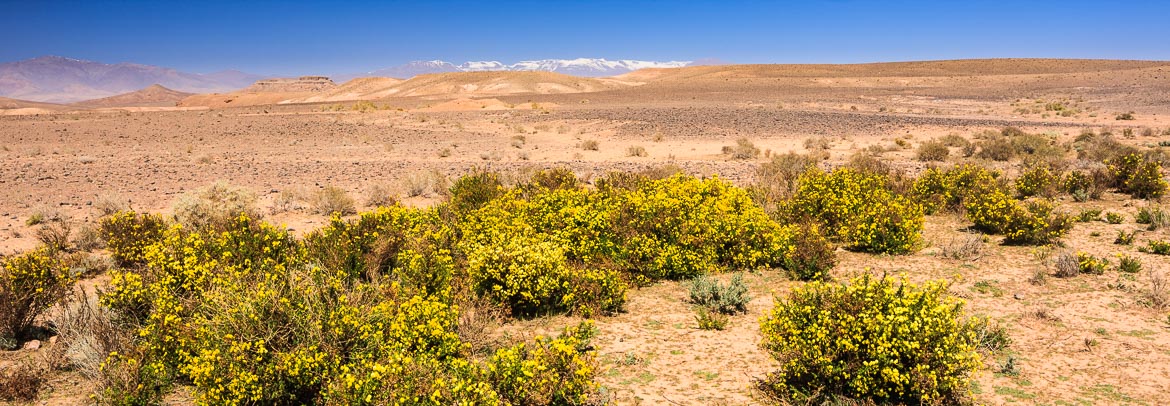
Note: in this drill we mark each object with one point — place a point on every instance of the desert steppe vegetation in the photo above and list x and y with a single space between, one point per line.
984 231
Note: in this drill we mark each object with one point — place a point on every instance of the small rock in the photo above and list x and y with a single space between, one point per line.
53 340
1019 296
32 345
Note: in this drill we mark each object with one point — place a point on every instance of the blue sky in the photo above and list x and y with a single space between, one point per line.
301 37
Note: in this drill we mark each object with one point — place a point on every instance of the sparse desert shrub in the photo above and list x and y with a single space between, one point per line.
730 298
425 183
589 145
1124 116
933 151
965 248
812 255
110 203
88 332
128 234
818 143
332 199
1089 264
22 381
1066 265
362 247
1037 181
214 205
997 149
743 149
30 283
776 180
859 210
380 195
551 179
1152 216
955 140
636 151
54 235
88 238
831 340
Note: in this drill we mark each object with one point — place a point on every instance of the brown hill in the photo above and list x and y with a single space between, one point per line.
153 96
7 104
356 89
499 83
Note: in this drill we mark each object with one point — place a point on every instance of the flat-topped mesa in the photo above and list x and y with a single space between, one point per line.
300 84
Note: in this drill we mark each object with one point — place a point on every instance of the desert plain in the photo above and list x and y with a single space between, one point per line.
1091 339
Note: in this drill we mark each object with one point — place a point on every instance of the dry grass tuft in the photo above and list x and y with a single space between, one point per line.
332 199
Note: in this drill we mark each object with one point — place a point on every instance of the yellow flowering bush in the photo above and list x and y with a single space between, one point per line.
679 227
1038 180
1090 264
128 234
530 276
812 255
547 372
949 189
30 283
364 246
881 339
859 210
1032 222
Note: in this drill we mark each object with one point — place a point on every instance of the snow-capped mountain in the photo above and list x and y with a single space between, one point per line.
593 67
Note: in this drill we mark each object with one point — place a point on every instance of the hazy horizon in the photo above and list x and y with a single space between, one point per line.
291 38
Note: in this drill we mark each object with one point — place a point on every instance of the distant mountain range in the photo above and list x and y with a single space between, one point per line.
64 80
588 67
56 79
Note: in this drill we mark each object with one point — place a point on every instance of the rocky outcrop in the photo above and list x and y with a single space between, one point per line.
287 85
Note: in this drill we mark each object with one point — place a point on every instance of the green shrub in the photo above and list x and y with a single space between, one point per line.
996 149
812 255
1088 215
708 319
1114 218
880 339
1083 186
30 283
859 210
1128 264
128 234
1158 247
731 298
1124 238
365 246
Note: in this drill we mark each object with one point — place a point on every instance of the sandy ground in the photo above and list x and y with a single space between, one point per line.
1083 340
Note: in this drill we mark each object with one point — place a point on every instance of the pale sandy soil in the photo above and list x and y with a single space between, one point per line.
654 353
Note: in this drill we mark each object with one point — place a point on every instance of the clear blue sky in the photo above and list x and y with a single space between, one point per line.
300 37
